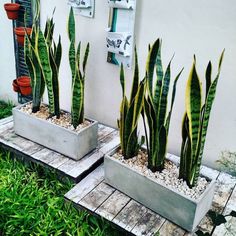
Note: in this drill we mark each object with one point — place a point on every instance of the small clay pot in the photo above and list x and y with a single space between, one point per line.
20 33
12 10
24 84
15 86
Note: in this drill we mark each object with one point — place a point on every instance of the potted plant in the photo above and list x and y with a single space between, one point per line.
24 85
48 125
15 86
20 34
12 10
147 175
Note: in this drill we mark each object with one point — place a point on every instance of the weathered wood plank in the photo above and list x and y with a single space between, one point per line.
6 120
103 131
86 185
149 224
170 229
5 127
130 215
85 164
113 205
97 196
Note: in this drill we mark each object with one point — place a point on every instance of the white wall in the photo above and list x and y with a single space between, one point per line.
186 27
7 56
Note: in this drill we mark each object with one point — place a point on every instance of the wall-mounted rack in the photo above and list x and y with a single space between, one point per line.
120 35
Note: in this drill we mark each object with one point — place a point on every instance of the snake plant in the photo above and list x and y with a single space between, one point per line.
155 107
195 122
130 111
43 59
78 75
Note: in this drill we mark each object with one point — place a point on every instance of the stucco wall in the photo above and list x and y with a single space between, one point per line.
7 59
186 27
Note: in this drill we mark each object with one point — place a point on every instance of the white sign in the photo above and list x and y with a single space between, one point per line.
125 4
119 43
83 3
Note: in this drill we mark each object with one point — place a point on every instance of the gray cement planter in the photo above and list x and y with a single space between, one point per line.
176 207
72 144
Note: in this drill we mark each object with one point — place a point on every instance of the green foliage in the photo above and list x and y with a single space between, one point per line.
227 162
195 122
130 112
5 109
32 203
43 59
78 74
155 107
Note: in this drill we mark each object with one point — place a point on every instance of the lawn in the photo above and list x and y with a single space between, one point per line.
32 200
5 109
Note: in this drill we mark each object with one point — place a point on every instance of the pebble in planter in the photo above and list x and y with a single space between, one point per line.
12 10
149 177
47 124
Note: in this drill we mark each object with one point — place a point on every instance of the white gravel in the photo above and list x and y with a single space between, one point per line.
168 177
64 121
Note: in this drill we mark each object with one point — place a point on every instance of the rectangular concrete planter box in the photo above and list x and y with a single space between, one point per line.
72 144
172 205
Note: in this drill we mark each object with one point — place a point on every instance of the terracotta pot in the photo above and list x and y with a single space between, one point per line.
24 84
20 33
15 86
12 10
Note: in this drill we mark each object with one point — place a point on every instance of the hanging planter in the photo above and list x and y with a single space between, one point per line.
23 83
12 10
15 86
20 33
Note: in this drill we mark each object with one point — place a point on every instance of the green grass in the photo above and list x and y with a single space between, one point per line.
32 203
5 109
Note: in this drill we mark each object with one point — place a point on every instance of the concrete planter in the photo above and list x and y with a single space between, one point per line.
176 207
72 144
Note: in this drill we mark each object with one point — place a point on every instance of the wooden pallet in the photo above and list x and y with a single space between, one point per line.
30 151
132 218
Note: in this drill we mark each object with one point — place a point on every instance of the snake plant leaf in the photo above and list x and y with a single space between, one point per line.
43 53
193 106
151 62
162 148
122 79
71 26
164 97
132 146
159 81
136 78
77 100
36 7
86 58
208 77
55 82
72 59
58 53
78 55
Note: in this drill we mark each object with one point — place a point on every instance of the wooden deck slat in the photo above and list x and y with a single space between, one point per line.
86 185
97 196
6 120
170 229
129 216
113 205
149 224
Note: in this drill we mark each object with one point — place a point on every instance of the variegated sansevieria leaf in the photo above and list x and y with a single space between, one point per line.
71 26
43 53
150 66
135 84
85 58
193 106
77 100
